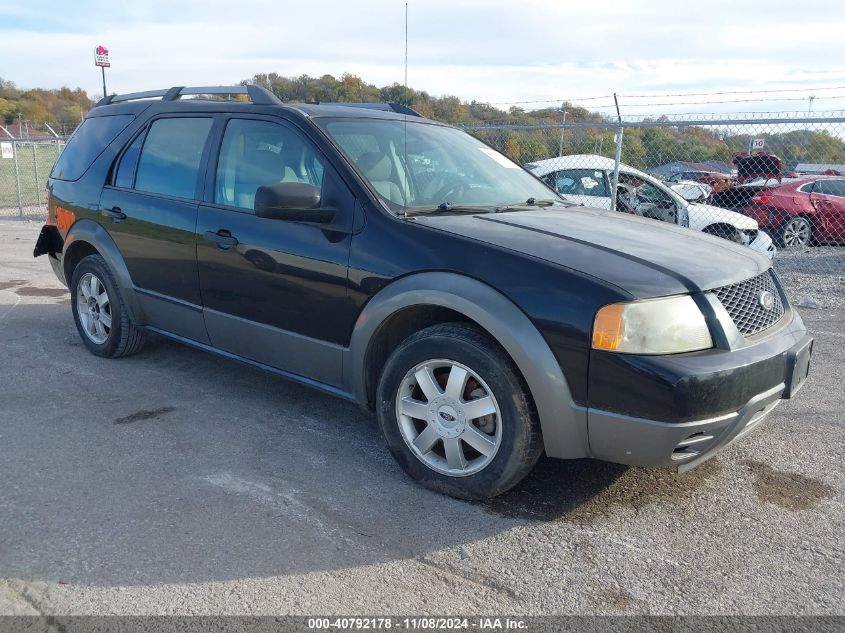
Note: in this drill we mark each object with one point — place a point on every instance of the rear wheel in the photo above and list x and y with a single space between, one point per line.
796 232
98 310
456 413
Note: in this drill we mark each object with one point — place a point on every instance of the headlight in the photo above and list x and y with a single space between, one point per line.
656 326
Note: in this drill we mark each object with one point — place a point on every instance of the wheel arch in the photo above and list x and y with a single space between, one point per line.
433 297
86 237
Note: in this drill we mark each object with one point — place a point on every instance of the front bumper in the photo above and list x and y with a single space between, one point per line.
680 410
763 244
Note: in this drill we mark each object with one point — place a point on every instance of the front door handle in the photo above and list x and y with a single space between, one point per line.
115 214
223 238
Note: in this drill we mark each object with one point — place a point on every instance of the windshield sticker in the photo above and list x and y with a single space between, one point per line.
504 162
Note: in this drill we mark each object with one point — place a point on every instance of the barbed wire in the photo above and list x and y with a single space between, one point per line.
569 100
733 92
575 100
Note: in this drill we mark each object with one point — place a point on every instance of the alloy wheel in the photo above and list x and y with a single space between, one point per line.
94 308
449 417
796 232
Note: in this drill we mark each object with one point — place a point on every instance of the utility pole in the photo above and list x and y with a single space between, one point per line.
562 128
810 108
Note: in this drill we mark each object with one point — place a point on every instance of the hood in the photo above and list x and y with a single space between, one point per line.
644 257
701 215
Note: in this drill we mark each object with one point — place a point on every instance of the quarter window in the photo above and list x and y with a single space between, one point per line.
256 153
88 141
126 169
170 159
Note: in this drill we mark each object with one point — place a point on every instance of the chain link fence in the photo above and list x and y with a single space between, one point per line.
24 168
775 185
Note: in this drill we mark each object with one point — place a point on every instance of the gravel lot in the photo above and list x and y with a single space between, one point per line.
176 482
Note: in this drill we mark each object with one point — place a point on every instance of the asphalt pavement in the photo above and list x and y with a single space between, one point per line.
174 482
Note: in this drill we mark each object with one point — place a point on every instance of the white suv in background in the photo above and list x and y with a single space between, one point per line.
586 178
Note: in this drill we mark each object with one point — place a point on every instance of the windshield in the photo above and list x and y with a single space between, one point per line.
442 167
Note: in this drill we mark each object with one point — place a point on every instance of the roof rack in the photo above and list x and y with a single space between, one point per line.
390 106
257 94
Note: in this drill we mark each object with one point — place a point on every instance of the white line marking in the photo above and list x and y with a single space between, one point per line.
13 306
284 503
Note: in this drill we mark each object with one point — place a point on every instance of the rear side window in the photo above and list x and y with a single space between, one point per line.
831 187
88 141
170 159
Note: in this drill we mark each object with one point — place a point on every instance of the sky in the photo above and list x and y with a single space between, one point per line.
494 51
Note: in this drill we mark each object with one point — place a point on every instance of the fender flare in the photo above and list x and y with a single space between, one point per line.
563 423
88 231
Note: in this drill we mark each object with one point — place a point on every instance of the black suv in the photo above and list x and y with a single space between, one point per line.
405 265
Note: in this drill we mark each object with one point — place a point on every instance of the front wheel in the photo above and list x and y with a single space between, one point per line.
457 414
796 232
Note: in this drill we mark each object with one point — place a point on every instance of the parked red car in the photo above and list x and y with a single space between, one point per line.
803 211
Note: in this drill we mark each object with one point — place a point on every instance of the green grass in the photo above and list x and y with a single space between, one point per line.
31 189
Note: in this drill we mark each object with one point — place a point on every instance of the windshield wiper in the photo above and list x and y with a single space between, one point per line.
448 207
528 204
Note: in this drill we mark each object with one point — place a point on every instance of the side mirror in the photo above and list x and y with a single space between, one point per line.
292 201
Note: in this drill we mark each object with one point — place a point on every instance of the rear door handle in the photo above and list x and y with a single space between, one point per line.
115 214
223 238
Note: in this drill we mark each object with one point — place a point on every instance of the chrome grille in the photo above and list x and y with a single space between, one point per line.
744 305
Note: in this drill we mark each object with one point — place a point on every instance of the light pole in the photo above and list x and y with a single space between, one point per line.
560 149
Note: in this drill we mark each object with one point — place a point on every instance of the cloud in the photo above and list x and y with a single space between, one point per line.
494 50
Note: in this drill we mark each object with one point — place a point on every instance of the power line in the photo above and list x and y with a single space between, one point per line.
733 92
569 99
674 103
681 94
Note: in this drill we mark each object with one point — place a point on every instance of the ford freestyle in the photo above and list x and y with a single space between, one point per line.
405 265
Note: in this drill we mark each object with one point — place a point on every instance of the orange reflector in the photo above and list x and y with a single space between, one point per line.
607 329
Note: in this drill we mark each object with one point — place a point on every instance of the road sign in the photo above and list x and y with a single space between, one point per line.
101 57
758 143
6 150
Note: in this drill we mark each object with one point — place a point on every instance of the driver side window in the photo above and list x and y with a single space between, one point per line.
580 182
642 198
256 153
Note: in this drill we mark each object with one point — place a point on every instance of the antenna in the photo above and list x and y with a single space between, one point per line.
405 190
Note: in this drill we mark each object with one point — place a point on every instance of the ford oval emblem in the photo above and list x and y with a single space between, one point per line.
767 300
447 416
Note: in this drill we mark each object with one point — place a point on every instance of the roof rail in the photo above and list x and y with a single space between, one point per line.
257 94
387 107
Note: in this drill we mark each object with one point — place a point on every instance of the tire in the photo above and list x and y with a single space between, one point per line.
496 450
115 335
796 232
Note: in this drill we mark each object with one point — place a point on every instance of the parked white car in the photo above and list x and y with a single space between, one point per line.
585 179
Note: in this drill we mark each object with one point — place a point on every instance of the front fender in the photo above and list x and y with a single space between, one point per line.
564 425
88 231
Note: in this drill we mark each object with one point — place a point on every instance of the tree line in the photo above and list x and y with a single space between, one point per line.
60 108
642 147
